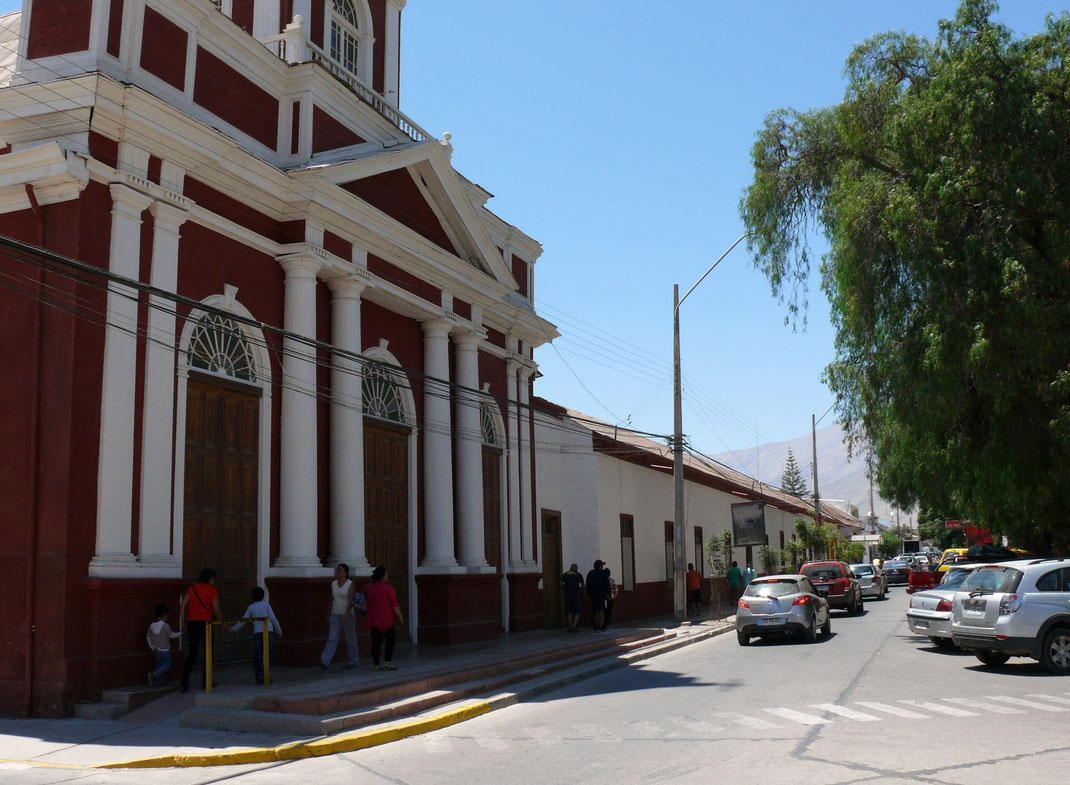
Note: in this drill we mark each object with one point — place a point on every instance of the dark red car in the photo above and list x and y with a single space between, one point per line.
835 581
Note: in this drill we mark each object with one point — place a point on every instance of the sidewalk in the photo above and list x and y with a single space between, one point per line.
306 712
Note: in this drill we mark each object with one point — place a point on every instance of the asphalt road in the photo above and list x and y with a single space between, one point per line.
873 703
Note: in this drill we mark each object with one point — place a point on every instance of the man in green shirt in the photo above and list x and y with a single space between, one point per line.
735 582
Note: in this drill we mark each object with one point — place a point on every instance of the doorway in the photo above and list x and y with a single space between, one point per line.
552 570
386 506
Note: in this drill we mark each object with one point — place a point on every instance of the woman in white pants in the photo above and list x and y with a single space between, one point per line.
340 619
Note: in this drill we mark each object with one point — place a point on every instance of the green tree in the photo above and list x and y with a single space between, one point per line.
889 544
792 481
719 553
942 184
931 527
769 559
850 552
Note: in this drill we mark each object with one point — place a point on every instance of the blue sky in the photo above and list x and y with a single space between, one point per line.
618 135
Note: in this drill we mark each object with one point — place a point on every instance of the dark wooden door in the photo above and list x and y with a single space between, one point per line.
552 570
386 506
221 491
492 507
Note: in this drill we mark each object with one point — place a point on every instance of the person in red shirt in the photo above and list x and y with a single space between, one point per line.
200 604
382 611
694 590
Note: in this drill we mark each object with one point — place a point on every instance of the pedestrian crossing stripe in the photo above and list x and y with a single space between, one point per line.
747 721
939 708
894 710
1023 702
843 711
986 706
798 716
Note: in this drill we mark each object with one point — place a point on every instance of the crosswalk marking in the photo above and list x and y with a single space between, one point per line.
491 743
986 706
843 711
898 712
1053 698
743 719
1023 702
800 717
939 708
698 726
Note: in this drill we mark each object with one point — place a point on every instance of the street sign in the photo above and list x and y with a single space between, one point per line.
954 524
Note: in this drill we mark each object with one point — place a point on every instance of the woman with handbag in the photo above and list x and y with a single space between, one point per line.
382 611
200 605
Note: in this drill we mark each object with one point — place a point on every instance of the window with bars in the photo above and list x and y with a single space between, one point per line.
379 393
700 557
344 35
627 552
219 346
488 429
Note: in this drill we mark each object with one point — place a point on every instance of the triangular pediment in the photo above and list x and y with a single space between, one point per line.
417 186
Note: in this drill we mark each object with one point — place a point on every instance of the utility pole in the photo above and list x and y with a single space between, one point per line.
813 444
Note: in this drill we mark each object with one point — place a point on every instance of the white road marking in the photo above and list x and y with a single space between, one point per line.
1023 702
542 735
898 712
800 717
649 729
436 743
843 711
491 743
1053 698
749 722
985 706
698 726
939 708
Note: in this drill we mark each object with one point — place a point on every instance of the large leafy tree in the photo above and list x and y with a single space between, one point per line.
942 185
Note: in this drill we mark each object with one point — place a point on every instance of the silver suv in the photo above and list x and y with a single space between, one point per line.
1016 609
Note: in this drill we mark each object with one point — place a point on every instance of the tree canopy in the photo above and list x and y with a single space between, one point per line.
791 479
941 183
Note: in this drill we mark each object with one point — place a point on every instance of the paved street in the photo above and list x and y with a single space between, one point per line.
871 704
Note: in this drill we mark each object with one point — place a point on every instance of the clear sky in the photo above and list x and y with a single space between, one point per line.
618 134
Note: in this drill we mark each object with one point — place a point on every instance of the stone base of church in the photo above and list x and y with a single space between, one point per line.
300 605
525 601
458 608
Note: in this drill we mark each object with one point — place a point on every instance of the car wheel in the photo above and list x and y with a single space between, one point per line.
852 607
941 643
744 640
991 658
810 634
861 602
1055 655
827 629
884 594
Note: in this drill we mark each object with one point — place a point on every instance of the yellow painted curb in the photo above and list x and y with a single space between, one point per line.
47 765
333 745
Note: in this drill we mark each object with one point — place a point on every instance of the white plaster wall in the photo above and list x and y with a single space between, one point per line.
566 478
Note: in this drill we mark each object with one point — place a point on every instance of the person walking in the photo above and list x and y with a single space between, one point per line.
572 582
735 582
159 637
383 610
694 590
597 585
340 619
611 599
200 605
260 607
748 575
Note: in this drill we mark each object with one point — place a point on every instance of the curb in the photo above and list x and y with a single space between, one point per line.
358 740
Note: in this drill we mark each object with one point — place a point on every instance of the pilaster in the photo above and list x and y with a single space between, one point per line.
437 476
468 445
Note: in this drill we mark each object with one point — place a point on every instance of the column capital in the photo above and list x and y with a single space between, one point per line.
168 216
467 340
348 287
299 265
128 201
398 5
436 328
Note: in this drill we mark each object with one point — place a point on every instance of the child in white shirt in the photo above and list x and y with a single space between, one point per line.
260 607
159 638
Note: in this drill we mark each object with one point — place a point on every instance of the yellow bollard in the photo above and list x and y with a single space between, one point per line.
208 657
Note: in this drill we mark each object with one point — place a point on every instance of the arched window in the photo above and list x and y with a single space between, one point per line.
345 35
487 427
219 346
379 393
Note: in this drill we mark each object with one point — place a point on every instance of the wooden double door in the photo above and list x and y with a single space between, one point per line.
221 493
386 506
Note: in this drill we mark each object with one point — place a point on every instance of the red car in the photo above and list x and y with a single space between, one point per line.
835 582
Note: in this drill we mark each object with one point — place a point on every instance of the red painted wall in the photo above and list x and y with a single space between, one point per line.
520 272
238 212
58 27
329 134
378 12
395 193
163 49
233 98
405 280
339 246
115 27
316 23
242 15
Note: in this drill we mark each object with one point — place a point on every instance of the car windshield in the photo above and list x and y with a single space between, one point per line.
953 578
822 572
864 569
894 565
772 588
992 579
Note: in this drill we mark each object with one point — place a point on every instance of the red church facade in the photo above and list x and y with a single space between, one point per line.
252 319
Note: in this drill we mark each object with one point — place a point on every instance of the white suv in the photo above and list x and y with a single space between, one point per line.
1016 609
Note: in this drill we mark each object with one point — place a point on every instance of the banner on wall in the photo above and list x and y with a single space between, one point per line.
748 524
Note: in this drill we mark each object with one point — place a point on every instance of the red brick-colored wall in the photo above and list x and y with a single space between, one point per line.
233 98
163 49
395 193
329 133
58 27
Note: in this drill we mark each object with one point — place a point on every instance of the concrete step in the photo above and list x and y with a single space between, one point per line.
115 703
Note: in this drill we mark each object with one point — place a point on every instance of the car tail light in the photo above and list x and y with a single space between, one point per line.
944 605
743 603
1010 603
801 600
911 603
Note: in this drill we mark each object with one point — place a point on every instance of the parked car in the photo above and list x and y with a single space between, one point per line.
781 605
872 580
950 556
929 613
1016 609
896 571
835 582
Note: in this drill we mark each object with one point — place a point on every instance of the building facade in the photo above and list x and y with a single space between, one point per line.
252 320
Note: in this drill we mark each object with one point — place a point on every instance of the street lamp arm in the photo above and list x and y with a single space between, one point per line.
703 278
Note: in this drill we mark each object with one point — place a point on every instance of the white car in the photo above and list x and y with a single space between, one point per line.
930 610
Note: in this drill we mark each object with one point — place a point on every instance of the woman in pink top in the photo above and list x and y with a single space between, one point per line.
382 611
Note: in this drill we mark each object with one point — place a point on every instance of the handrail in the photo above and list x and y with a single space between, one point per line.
264 631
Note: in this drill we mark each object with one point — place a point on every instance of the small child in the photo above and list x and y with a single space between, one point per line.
260 607
159 639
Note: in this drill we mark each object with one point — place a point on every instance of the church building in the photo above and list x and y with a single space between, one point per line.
253 320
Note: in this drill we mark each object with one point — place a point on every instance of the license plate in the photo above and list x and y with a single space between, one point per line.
974 606
922 625
823 590
770 622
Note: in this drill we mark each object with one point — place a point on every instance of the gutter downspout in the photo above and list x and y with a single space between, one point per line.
35 415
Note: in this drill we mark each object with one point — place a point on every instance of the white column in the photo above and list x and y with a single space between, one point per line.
115 473
297 486
392 61
526 491
513 465
347 428
469 453
438 463
158 417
